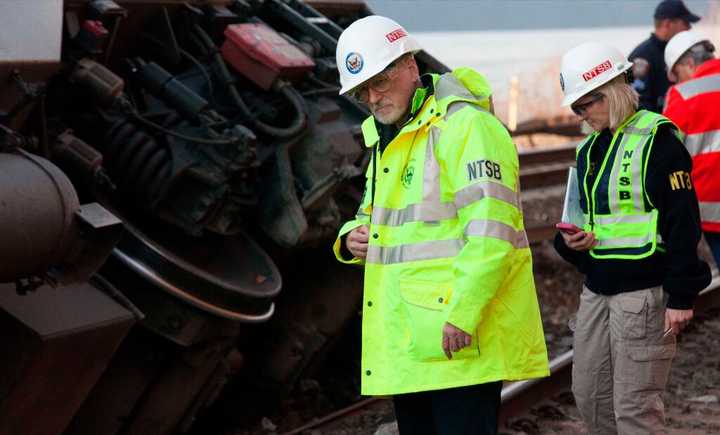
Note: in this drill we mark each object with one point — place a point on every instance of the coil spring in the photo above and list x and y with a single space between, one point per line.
140 166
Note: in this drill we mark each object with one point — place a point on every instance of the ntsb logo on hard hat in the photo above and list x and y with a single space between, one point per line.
354 63
396 34
367 47
597 70
589 66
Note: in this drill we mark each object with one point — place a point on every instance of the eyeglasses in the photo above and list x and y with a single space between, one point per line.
381 82
580 109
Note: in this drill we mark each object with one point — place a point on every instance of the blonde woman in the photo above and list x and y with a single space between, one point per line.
637 247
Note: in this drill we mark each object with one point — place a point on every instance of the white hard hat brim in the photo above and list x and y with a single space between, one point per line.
678 46
571 98
412 47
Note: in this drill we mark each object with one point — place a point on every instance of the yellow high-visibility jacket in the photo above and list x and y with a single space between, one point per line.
447 244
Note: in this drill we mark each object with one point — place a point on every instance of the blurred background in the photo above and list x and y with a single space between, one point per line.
518 43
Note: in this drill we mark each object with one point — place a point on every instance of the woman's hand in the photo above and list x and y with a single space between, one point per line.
677 320
580 241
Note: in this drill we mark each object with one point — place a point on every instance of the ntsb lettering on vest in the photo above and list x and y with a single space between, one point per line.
483 168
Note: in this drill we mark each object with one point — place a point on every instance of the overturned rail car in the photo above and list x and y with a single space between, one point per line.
172 175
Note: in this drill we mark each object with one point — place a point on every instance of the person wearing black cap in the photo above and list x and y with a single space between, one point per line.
651 82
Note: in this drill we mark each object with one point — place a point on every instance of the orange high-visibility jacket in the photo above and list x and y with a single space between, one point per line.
694 106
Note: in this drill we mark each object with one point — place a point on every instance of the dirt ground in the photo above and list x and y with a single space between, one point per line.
691 400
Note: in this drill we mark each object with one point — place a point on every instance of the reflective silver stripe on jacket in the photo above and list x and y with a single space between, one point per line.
449 85
701 143
430 250
636 166
630 129
629 219
613 193
488 189
436 249
431 173
436 211
423 212
695 87
497 230
624 242
710 211
457 105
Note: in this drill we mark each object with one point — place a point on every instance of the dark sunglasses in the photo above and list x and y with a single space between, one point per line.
580 109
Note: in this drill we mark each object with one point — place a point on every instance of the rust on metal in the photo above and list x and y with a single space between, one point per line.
337 415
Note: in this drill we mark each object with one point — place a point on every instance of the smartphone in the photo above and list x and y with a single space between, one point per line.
568 228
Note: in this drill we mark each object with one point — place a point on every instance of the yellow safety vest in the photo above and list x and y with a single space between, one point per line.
447 244
616 206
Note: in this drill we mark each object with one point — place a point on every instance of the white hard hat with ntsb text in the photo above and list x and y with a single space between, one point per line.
368 46
589 66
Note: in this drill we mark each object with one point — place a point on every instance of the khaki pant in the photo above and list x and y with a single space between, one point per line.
621 362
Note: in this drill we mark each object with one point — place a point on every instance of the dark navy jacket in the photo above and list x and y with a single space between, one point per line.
679 270
650 73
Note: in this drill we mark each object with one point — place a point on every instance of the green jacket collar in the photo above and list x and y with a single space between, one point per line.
370 127
431 102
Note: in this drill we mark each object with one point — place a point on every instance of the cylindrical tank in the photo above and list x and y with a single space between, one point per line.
37 207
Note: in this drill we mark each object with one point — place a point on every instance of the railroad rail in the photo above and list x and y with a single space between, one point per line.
541 169
563 125
565 153
517 397
546 167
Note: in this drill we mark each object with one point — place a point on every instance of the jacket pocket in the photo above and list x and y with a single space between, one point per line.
647 366
426 305
634 317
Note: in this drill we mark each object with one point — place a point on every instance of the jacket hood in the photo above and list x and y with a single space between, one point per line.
464 84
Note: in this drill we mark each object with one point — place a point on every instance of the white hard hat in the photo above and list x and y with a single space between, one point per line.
589 66
368 46
677 46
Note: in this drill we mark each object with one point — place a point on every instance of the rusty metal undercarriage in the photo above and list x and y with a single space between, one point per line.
165 169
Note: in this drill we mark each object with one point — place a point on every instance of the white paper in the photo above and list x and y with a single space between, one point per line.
30 30
572 213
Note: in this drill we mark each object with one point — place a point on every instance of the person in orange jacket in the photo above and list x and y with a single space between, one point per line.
692 104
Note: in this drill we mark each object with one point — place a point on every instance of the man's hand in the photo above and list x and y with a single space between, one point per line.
357 241
580 241
676 320
454 339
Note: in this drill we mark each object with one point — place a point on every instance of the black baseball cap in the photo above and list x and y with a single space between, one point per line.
674 9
